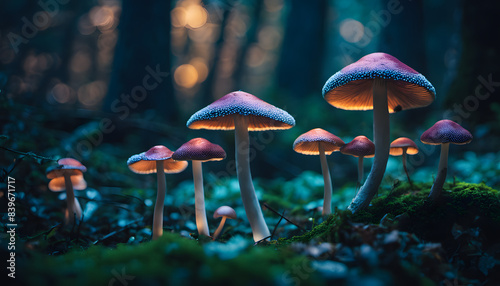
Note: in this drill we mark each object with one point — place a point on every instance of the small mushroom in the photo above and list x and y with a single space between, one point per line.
68 175
443 133
380 82
243 112
157 160
401 147
199 150
226 213
360 147
320 142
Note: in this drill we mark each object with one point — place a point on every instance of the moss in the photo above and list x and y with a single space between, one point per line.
172 259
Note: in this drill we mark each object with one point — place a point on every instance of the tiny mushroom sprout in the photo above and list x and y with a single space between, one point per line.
360 147
243 112
68 175
320 142
157 160
380 82
199 150
226 213
443 133
401 147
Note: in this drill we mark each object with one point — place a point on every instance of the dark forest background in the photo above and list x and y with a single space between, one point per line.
103 80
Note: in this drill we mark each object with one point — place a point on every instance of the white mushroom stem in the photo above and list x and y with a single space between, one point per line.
381 132
218 231
361 172
327 199
248 196
160 200
74 209
199 199
437 187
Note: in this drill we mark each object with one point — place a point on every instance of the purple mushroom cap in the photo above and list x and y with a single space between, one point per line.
307 143
199 149
360 146
446 131
145 162
351 87
262 115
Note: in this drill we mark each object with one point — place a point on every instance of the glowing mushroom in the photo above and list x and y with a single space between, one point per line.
443 133
199 150
226 213
360 147
243 112
68 175
157 160
380 82
401 147
320 142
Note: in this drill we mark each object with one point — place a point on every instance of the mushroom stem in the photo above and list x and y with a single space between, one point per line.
327 199
248 196
437 187
382 144
160 200
218 231
74 209
404 166
361 173
199 199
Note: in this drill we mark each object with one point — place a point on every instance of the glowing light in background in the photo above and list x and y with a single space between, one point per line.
196 16
80 62
351 30
61 93
91 94
186 75
179 17
201 67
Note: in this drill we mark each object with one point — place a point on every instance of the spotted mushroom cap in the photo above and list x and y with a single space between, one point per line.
360 146
399 144
64 166
199 149
446 131
58 184
225 211
351 87
261 115
145 162
307 143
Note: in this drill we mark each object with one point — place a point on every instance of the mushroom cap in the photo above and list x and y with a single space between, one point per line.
261 115
360 146
145 162
225 211
399 144
307 143
65 166
446 131
351 87
199 149
58 184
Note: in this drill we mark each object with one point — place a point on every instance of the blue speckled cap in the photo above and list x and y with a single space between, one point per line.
446 131
261 115
351 87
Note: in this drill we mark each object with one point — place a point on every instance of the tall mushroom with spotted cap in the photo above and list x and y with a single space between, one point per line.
68 175
380 82
243 112
443 133
199 150
401 147
320 142
157 160
360 147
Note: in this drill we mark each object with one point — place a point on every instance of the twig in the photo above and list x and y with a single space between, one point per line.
277 213
276 226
